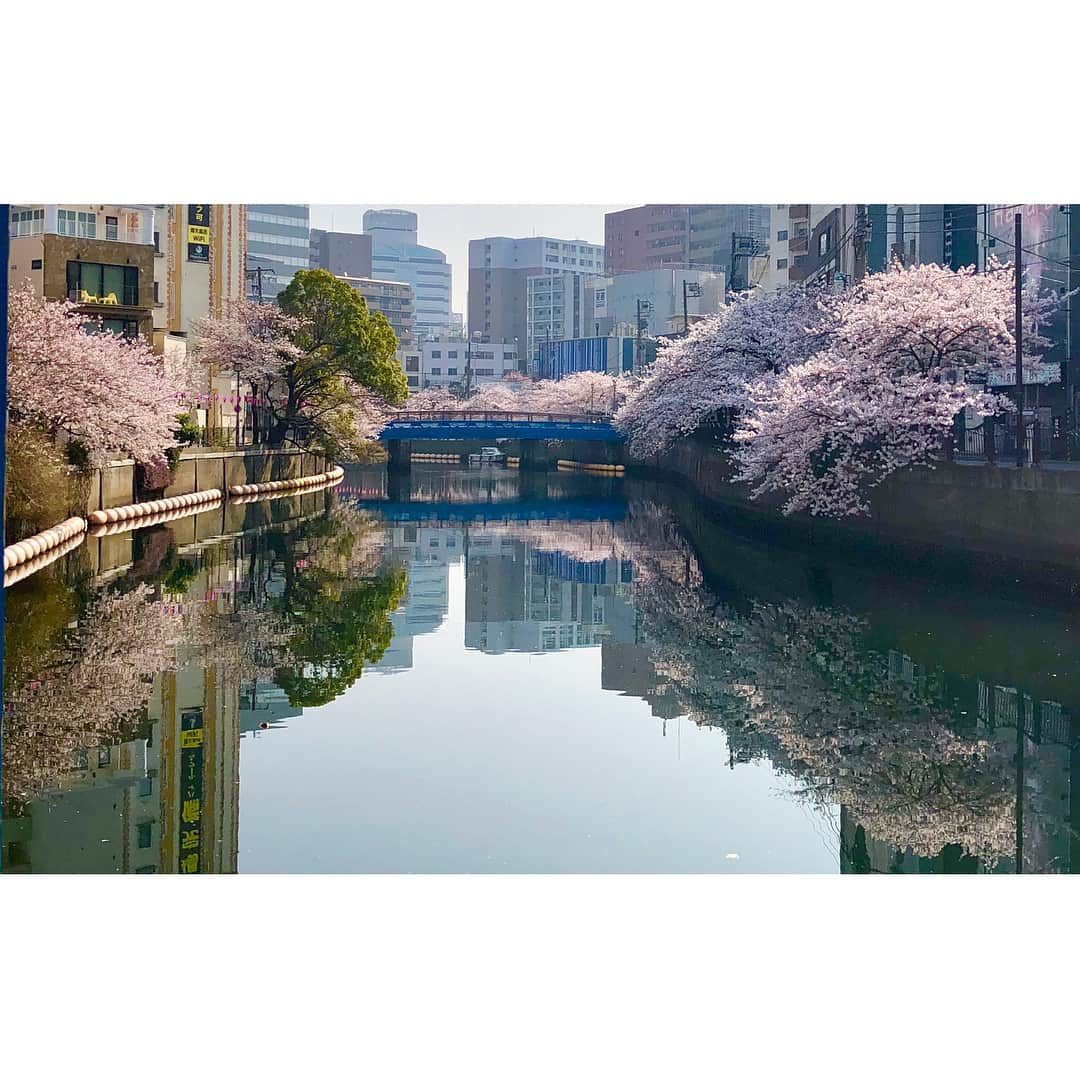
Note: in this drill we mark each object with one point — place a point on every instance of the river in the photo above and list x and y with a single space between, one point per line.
501 673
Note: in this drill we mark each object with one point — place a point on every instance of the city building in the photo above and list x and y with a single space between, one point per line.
522 599
427 553
774 273
199 270
394 299
278 245
727 236
657 295
613 355
556 308
343 254
499 269
821 242
647 237
682 236
99 256
457 364
396 256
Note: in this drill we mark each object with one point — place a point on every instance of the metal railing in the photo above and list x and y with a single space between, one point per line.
126 297
496 414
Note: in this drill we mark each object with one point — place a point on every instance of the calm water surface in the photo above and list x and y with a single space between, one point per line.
494 673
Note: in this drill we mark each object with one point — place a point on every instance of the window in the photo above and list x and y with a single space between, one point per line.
128 328
823 243
781 234
27 222
413 380
146 787
35 264
97 283
150 868
781 264
436 371
144 832
484 371
157 243
412 363
76 223
157 299
451 354
451 371
436 354
112 228
104 756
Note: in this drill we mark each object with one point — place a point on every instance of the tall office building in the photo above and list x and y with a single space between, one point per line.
343 254
499 269
278 243
394 299
396 256
670 236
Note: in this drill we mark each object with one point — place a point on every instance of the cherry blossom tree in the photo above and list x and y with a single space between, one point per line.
909 349
321 364
110 393
704 376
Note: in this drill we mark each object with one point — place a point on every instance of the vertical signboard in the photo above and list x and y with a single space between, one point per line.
198 232
189 850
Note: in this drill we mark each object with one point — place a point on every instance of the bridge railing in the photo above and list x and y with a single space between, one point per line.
497 414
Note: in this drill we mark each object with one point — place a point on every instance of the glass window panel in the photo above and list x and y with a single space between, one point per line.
112 288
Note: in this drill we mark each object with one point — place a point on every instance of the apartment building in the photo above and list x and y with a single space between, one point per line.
499 269
100 256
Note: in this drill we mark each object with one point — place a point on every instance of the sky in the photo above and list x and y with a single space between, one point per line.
450 228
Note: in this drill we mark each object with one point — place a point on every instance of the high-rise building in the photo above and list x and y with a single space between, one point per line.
556 308
278 244
683 236
715 228
394 299
647 237
499 269
343 254
396 256
199 270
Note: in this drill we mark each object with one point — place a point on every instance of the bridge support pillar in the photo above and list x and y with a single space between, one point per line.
399 485
533 484
399 453
534 455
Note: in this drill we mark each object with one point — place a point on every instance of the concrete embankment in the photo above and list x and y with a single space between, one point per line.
972 520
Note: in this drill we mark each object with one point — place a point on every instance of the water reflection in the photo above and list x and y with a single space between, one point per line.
894 714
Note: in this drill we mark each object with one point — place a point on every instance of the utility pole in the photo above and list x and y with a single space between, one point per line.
257 272
860 242
1019 335
643 308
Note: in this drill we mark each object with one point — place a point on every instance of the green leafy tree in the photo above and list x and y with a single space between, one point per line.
338 628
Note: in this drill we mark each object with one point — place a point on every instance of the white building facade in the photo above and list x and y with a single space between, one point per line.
396 256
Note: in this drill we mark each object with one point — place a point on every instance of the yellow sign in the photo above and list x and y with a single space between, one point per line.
191 738
198 234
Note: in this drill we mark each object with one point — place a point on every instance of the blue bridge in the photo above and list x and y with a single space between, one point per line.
407 426
416 513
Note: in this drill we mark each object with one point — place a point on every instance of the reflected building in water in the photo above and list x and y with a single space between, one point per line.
519 598
165 802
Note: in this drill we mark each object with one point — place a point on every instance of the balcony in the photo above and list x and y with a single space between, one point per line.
799 245
799 211
123 297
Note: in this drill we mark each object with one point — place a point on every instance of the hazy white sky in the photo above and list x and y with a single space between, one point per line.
450 228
